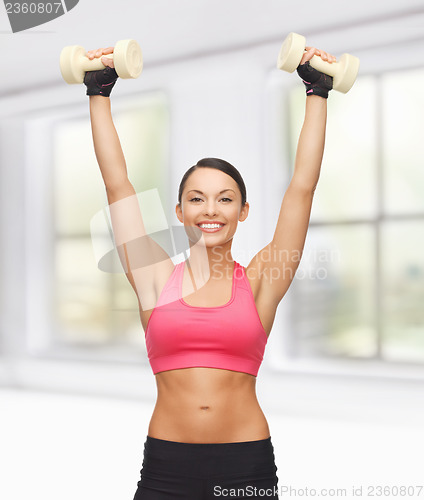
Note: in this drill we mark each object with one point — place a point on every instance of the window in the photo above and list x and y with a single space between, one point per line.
94 311
359 290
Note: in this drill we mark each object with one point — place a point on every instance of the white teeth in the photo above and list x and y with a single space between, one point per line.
210 226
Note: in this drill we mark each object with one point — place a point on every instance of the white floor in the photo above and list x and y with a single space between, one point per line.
62 447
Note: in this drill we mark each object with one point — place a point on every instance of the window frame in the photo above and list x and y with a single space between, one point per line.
41 238
280 171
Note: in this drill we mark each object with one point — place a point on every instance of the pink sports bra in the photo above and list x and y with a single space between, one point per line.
230 336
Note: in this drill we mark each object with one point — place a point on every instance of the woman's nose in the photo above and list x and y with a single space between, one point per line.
210 209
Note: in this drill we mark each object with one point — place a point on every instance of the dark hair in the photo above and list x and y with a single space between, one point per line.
219 164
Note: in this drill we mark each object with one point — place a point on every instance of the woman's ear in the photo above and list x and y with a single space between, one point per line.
179 212
244 212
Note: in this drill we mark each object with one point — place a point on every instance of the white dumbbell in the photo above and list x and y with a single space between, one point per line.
344 72
127 59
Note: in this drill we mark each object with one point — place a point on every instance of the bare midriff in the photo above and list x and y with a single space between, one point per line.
207 405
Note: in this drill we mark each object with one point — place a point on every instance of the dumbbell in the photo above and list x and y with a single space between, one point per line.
127 59
344 72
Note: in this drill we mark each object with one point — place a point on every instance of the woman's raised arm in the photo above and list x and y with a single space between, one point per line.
107 146
310 147
146 264
286 247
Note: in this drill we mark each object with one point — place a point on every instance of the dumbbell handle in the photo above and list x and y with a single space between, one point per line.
324 66
94 64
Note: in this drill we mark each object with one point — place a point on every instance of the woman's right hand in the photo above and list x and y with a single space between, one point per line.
316 83
101 82
91 54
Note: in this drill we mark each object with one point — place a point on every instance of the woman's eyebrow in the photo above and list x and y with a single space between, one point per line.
197 191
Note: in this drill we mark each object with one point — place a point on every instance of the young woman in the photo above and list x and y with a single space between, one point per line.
207 320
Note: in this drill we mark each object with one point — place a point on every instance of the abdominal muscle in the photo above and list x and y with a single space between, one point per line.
207 405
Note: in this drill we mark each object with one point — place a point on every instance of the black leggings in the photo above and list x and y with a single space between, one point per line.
207 471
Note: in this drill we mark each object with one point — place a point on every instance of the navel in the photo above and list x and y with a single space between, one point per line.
204 407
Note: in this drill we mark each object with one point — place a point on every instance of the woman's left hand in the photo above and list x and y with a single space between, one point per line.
312 51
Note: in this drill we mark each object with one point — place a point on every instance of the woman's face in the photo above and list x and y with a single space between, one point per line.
211 195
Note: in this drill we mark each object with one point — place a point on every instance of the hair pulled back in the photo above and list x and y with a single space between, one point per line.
219 164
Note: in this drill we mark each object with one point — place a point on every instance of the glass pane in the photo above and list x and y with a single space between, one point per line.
92 307
125 316
78 186
144 135
95 307
403 290
143 131
332 304
403 144
348 180
82 300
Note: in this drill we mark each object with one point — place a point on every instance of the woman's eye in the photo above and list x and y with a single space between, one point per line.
195 199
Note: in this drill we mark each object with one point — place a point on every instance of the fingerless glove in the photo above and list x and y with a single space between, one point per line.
100 82
316 83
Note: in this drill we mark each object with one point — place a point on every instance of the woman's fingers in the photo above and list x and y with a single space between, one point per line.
326 56
91 54
309 54
312 51
107 61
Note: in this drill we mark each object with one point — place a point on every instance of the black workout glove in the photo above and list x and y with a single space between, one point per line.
316 83
100 82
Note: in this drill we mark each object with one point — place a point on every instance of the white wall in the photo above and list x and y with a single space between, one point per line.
221 105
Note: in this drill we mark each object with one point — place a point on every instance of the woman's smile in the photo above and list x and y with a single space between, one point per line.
210 228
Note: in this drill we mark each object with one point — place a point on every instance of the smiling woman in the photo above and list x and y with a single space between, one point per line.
210 317
218 207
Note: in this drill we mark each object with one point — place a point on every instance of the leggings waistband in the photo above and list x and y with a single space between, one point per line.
222 446
208 458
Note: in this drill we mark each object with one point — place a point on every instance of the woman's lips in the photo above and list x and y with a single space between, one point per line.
211 230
